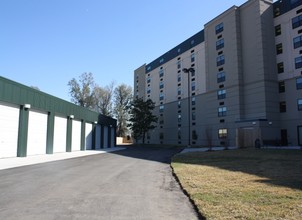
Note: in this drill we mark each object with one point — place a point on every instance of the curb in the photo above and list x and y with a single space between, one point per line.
199 214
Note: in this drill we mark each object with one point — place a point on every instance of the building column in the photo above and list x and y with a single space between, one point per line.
102 136
114 136
93 136
83 134
23 132
109 136
69 134
50 132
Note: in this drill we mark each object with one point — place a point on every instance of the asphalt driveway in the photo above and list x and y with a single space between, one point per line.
130 184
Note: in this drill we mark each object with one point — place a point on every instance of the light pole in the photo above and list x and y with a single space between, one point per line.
188 71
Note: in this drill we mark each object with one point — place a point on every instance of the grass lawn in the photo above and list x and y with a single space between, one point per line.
243 184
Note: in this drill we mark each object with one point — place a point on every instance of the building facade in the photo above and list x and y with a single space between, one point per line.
35 123
244 81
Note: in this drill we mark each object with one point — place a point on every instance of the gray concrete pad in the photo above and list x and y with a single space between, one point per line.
6 163
204 149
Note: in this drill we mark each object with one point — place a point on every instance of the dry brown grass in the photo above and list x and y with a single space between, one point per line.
243 184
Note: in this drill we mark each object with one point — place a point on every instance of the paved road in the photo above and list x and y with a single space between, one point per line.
130 184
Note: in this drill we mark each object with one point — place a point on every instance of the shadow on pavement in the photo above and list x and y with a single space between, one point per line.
152 153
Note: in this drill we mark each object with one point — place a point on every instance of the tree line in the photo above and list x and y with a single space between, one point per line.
133 115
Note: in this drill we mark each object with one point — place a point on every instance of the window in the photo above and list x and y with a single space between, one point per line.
148 90
193 86
193 116
220 60
222 111
282 106
219 44
193 100
220 77
178 64
149 80
161 60
299 83
179 91
179 134
221 94
193 57
193 73
280 67
219 28
179 78
277 12
278 30
279 48
161 85
161 96
281 87
161 136
161 108
298 62
179 104
299 104
179 118
161 73
297 42
297 21
222 133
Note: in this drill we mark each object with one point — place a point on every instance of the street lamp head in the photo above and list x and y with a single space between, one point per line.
192 70
185 70
188 70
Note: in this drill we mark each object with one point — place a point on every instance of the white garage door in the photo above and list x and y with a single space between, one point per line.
59 139
98 137
88 136
37 133
76 136
9 124
105 137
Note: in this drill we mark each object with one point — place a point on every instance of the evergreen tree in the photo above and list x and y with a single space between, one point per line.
142 120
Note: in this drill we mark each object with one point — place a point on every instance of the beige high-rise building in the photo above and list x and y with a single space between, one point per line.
242 80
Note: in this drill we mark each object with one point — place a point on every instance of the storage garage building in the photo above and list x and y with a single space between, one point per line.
33 123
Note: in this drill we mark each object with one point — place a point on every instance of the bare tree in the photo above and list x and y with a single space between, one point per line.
103 99
35 87
82 92
123 98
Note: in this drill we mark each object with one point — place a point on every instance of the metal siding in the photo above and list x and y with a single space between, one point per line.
76 136
37 133
88 136
9 125
60 128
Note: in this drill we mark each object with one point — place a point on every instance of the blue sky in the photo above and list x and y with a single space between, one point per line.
46 43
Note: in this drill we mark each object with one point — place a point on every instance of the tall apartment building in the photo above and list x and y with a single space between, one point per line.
246 84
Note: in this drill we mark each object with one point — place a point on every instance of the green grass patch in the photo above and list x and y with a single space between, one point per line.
243 184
